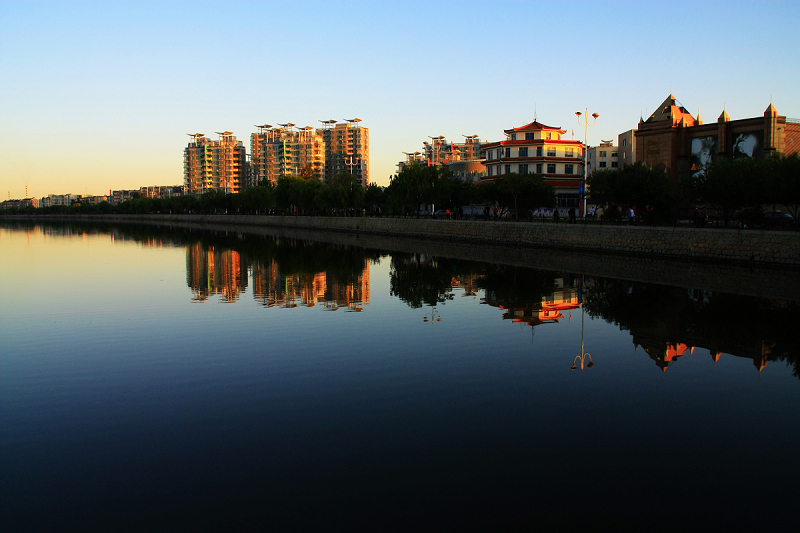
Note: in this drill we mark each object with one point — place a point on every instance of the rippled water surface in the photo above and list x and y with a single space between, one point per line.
182 380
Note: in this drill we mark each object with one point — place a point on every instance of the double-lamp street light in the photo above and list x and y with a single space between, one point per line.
586 151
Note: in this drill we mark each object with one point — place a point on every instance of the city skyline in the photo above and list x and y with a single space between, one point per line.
101 97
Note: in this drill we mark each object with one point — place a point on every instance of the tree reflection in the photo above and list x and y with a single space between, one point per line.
666 321
422 280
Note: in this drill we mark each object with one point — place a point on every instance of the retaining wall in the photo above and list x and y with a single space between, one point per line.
751 247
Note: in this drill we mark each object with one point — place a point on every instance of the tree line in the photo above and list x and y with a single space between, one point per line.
733 190
739 190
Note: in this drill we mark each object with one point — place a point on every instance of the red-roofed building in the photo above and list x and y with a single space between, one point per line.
538 149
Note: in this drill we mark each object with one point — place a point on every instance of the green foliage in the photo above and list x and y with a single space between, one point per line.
649 191
413 186
520 193
732 185
783 183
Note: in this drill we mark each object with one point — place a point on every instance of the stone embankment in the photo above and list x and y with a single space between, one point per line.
743 247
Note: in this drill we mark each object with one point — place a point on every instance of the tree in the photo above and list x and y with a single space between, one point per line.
413 186
732 185
523 192
650 191
783 183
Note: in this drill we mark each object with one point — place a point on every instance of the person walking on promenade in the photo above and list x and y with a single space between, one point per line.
555 216
631 217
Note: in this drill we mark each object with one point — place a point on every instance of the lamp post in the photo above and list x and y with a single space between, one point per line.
586 151
584 354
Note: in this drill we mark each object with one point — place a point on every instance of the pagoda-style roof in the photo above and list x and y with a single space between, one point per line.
535 126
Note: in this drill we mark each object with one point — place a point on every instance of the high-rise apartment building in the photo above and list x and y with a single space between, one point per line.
280 150
214 165
346 149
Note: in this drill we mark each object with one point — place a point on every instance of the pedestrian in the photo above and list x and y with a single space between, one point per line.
555 216
495 212
631 216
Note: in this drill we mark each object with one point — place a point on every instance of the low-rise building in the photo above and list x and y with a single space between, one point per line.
603 157
626 148
538 149
672 140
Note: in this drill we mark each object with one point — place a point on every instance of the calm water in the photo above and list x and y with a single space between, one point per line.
155 380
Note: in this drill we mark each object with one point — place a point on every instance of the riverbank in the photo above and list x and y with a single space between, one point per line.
765 280
729 246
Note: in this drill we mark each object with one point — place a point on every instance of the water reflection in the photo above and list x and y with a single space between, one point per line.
127 388
666 322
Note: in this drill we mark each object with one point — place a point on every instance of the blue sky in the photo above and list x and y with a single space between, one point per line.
100 95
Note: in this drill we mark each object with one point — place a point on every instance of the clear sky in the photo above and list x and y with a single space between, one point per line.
100 95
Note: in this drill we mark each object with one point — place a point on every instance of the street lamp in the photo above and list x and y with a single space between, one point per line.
584 354
586 151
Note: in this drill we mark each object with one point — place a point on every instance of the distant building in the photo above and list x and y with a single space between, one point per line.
9 204
603 157
626 148
538 149
346 149
160 191
214 165
673 140
58 199
29 202
281 150
462 159
117 197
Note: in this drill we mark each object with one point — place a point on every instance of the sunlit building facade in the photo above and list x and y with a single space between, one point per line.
538 149
346 149
681 145
214 165
281 150
603 157
463 160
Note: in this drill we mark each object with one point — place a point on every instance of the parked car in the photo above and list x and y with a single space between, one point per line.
777 218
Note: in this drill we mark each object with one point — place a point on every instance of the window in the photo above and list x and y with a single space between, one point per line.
523 152
568 169
489 171
602 164
508 169
489 154
568 199
529 136
513 136
538 151
614 164
551 168
551 151
614 154
624 142
569 152
538 168
549 136
603 154
523 169
508 152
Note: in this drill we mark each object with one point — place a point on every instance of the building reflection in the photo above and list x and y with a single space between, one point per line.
565 297
273 289
213 270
